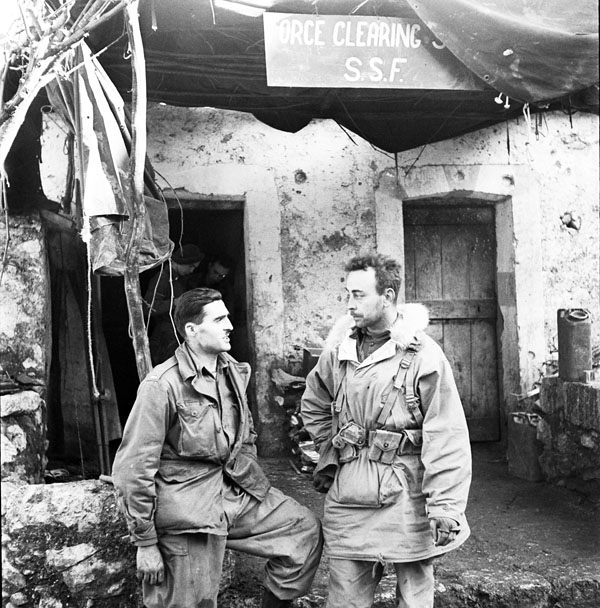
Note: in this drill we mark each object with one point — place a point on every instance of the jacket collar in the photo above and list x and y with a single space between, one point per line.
412 320
187 367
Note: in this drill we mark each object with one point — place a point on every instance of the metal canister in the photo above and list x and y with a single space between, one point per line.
574 343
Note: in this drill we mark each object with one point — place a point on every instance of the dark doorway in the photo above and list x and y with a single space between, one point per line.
215 227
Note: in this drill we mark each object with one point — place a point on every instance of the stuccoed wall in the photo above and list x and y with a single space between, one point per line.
563 156
325 184
316 192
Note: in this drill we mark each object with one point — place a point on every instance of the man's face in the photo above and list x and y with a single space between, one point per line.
364 303
216 273
212 335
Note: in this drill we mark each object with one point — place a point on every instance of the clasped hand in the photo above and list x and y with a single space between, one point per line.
443 529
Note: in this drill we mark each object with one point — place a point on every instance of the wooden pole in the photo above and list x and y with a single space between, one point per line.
137 163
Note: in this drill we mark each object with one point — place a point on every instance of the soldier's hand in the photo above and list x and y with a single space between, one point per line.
322 481
150 565
443 529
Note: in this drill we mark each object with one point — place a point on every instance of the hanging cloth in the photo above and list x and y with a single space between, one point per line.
95 111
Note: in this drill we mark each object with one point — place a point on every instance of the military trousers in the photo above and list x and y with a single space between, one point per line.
279 529
352 583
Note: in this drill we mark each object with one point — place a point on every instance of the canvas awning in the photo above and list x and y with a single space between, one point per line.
198 53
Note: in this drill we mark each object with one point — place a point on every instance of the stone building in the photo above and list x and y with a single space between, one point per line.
510 220
291 208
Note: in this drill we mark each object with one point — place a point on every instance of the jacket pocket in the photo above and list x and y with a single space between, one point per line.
188 497
357 483
384 445
197 437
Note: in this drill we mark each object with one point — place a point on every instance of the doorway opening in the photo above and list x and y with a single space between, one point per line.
216 227
450 267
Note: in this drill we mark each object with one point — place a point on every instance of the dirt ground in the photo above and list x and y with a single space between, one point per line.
523 534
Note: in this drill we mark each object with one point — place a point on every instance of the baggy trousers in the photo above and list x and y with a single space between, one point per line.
278 528
352 583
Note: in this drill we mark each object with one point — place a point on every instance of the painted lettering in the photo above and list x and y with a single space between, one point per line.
283 31
348 41
338 33
373 34
353 65
395 68
384 35
415 42
319 33
375 64
296 33
402 35
360 33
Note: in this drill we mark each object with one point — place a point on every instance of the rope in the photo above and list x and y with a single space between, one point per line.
95 391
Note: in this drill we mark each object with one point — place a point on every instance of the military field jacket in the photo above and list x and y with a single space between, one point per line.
374 510
170 466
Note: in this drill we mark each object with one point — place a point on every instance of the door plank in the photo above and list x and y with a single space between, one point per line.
455 262
428 270
482 263
462 309
484 375
457 341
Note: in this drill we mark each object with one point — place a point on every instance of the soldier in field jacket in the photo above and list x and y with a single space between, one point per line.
188 477
383 409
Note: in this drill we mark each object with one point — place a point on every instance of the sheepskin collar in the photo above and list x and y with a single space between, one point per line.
412 319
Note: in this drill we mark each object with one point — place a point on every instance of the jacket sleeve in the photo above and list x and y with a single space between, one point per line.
316 408
446 451
137 460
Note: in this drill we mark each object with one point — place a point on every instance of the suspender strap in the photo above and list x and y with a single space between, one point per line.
336 405
412 401
401 384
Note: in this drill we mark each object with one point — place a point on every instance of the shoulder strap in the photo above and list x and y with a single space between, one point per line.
412 401
336 405
400 384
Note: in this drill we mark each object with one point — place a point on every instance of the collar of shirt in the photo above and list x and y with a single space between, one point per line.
188 368
368 341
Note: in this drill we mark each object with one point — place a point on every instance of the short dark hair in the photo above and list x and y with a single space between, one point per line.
388 271
189 307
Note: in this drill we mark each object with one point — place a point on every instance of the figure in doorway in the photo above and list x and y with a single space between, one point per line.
164 288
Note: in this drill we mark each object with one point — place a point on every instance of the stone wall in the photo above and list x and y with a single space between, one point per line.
66 545
23 437
569 432
25 343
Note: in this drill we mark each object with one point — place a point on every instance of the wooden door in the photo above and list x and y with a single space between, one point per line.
450 267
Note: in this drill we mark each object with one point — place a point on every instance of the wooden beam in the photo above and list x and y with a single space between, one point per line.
137 162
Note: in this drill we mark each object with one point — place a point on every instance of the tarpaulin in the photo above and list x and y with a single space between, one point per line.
200 54
531 50
94 109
